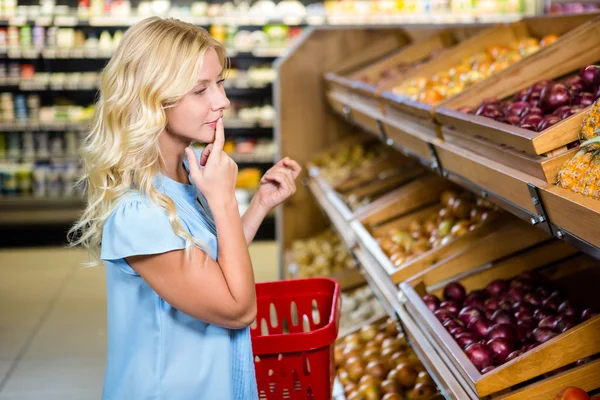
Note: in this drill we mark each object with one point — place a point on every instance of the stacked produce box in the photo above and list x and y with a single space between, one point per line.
483 247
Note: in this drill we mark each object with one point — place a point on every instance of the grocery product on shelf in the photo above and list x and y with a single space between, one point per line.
321 255
375 362
459 214
334 167
506 319
545 103
434 89
359 305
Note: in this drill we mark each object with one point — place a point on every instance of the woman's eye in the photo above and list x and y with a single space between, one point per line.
220 82
200 91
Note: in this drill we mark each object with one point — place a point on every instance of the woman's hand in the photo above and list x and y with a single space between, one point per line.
278 183
218 178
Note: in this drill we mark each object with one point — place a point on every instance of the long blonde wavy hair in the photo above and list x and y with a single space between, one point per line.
155 65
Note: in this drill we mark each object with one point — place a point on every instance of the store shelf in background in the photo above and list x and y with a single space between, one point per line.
247 23
39 211
244 89
78 54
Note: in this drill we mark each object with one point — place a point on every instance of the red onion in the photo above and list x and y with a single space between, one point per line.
480 326
553 301
576 88
454 291
538 86
443 315
492 101
521 332
554 96
534 299
587 99
450 306
507 107
492 304
588 76
432 302
564 323
528 325
487 369
514 355
469 314
503 317
543 312
521 284
549 121
567 309
523 306
496 287
542 335
506 331
588 313
516 294
489 110
500 348
532 119
457 331
480 355
583 361
529 127
532 346
521 95
548 322
543 291
488 313
514 120
534 97
476 295
466 339
519 108
450 324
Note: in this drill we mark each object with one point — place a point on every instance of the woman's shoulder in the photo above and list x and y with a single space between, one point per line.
134 206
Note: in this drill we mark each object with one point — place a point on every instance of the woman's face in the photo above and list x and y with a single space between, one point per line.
195 117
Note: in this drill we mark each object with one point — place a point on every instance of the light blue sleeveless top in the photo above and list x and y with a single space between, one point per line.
154 350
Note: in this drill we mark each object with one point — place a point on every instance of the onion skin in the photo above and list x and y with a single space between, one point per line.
455 291
542 335
480 356
554 96
505 331
500 348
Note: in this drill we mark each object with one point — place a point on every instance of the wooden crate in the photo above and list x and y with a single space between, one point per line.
500 179
497 35
347 95
417 201
539 154
574 273
576 214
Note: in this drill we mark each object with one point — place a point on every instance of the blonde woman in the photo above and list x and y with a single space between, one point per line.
179 305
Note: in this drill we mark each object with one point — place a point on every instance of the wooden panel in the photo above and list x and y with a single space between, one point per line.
437 254
513 266
573 212
303 127
584 377
541 167
415 51
497 178
579 342
404 222
508 239
416 194
382 185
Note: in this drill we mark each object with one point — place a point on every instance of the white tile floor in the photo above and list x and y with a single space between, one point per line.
53 322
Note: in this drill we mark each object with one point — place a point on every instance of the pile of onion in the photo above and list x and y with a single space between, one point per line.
506 319
545 103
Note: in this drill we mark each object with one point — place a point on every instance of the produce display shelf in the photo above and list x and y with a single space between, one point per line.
388 294
560 261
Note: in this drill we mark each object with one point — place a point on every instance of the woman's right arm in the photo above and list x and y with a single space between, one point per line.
218 292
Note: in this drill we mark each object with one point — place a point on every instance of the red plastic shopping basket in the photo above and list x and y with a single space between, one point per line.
292 339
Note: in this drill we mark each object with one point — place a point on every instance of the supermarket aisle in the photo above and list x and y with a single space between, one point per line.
53 322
